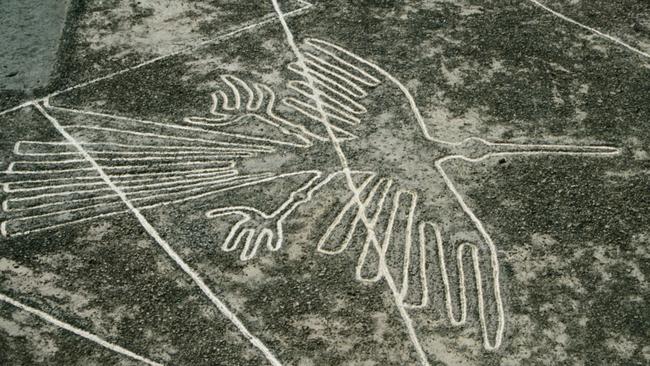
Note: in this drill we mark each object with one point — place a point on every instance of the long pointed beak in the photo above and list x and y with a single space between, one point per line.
475 149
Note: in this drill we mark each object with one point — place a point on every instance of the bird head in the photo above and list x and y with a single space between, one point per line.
475 149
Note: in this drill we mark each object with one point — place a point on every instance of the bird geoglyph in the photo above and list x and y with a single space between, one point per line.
407 211
341 120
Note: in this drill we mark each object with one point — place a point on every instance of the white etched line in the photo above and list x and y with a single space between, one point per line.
176 127
347 105
45 148
424 302
12 167
6 111
363 257
270 18
230 181
251 238
80 332
4 230
166 159
49 162
445 281
261 90
121 155
408 241
351 89
236 182
235 114
246 148
193 158
339 218
283 123
336 98
164 245
351 185
215 105
137 196
593 30
105 205
217 39
132 191
7 187
230 82
122 178
362 76
494 260
305 108
387 75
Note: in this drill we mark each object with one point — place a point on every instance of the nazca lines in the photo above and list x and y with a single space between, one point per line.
62 188
190 160
342 86
73 178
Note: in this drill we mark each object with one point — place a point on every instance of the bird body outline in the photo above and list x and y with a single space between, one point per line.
345 81
343 76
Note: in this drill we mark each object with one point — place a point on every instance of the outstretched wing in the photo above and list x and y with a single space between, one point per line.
343 81
243 109
407 248
50 184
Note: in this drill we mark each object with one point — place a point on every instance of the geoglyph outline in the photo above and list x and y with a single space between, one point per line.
349 114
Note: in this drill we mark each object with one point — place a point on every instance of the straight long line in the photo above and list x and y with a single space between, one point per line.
318 98
306 5
159 58
15 108
80 332
163 244
593 30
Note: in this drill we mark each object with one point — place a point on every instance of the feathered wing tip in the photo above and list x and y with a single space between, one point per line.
247 111
50 185
329 90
